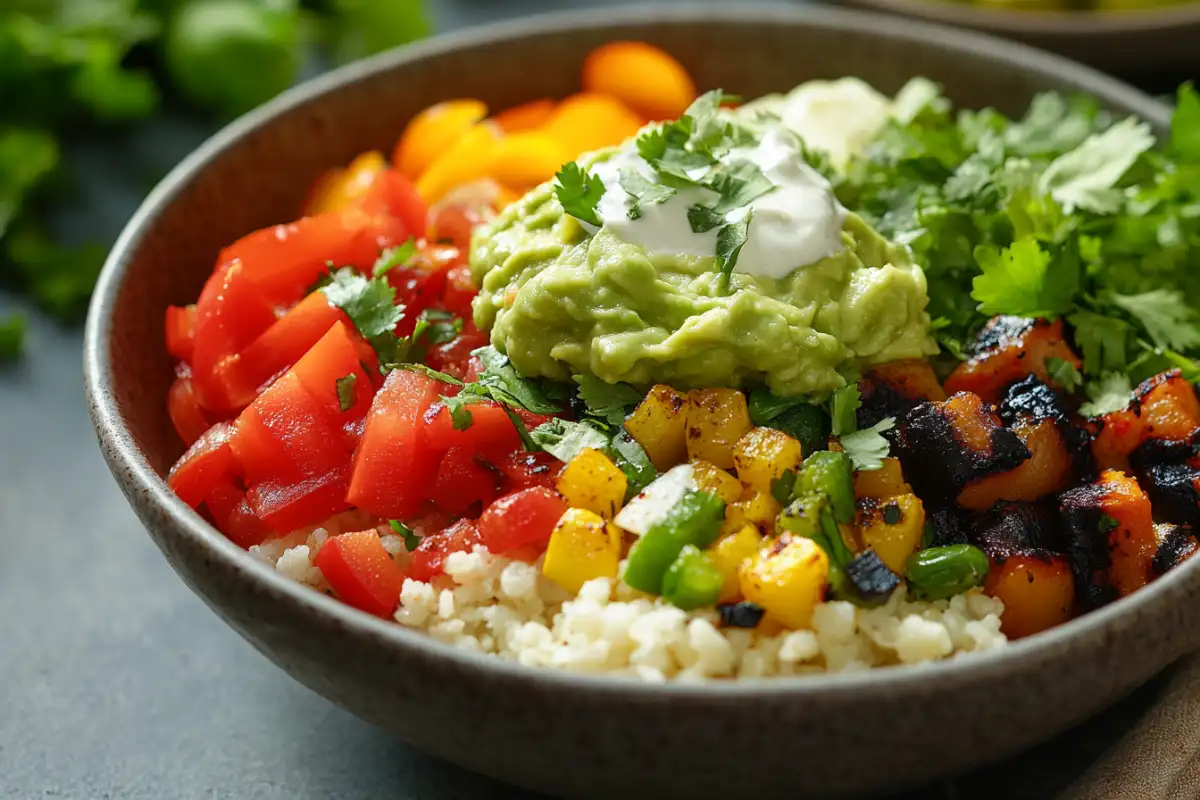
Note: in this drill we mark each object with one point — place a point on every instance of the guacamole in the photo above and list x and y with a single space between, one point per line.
561 298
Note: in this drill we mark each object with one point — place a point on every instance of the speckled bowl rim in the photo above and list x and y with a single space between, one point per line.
1077 24
136 474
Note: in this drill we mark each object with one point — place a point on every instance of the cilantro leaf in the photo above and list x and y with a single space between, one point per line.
431 372
1086 177
1019 280
633 461
783 486
563 438
579 193
346 393
643 192
460 415
867 448
1103 341
1063 373
411 539
608 401
843 407
704 218
1185 123
730 240
502 383
393 257
765 405
1108 393
369 302
1165 315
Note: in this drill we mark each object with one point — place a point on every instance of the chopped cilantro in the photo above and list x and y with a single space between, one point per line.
730 240
436 326
1087 177
563 438
346 391
608 401
1165 315
1107 524
431 372
579 193
633 461
1103 341
500 381
1185 125
393 257
867 448
781 487
1109 393
460 415
411 540
843 407
371 305
1063 373
1018 280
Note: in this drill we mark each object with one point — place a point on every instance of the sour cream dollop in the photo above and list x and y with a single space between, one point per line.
797 223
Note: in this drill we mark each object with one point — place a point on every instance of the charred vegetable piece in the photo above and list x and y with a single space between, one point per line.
716 481
892 389
659 425
945 526
893 527
787 578
716 420
1032 400
1162 408
692 580
887 481
1110 537
741 615
943 446
1174 491
694 520
871 580
729 553
1007 350
763 455
1009 529
1047 471
583 546
936 573
1037 589
1176 544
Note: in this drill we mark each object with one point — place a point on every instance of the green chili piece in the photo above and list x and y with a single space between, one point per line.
695 520
940 572
830 473
692 580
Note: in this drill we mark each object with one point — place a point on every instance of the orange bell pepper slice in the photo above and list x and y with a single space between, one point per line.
588 121
643 77
432 132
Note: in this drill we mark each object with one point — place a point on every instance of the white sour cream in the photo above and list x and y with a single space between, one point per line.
795 224
839 117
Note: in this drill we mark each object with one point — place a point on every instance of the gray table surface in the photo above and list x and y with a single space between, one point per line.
117 682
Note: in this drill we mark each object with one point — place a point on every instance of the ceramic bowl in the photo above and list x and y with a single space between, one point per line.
566 734
1123 41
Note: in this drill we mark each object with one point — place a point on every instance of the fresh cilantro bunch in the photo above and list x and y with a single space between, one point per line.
1065 212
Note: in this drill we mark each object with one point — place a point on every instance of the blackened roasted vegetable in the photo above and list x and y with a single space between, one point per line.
741 615
1176 544
892 389
1032 400
1007 350
1163 408
1174 491
871 581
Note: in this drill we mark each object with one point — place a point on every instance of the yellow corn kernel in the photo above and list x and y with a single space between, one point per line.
659 425
716 419
787 578
716 481
892 526
887 481
592 481
582 547
763 455
728 554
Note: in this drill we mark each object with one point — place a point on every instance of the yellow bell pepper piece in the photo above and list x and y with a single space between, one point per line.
466 160
347 185
887 481
716 481
659 425
589 121
893 526
432 132
716 420
763 455
592 481
729 553
787 578
582 547
523 160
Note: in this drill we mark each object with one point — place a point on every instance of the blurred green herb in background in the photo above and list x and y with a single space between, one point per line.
69 66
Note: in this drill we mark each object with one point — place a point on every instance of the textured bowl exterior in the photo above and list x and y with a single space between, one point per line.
570 735
1118 41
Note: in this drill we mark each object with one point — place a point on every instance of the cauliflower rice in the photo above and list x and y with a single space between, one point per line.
495 605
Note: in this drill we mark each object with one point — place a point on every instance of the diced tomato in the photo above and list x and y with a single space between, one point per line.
244 528
289 505
490 429
184 409
522 470
521 519
460 291
361 573
331 359
393 194
286 436
180 330
454 223
474 369
430 556
420 283
207 463
395 461
282 345
462 482
222 499
453 357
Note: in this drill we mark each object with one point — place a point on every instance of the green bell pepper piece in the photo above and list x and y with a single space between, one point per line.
692 580
695 520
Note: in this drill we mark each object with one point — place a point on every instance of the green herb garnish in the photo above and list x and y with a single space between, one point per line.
867 447
346 391
394 257
579 193
843 408
411 540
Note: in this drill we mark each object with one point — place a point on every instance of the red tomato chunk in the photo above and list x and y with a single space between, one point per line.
361 573
520 520
428 560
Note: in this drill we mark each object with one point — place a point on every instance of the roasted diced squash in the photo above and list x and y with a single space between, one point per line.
759 509
716 420
1047 471
1116 435
887 481
714 480
583 546
1110 537
1176 544
890 390
945 445
592 481
1038 592
787 577
728 554
1007 350
763 455
659 425
892 526
1168 405
1174 491
1009 529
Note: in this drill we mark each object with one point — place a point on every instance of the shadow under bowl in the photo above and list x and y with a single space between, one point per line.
559 733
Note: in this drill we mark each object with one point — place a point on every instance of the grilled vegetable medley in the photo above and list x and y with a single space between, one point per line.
652 382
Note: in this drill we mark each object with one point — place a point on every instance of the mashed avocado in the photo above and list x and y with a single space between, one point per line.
562 301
